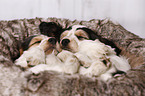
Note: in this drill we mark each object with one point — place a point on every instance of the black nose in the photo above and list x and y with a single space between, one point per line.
52 40
65 42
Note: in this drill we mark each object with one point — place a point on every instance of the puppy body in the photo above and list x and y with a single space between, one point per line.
99 59
93 57
94 49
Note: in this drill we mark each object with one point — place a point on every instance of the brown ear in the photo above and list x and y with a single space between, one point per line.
21 51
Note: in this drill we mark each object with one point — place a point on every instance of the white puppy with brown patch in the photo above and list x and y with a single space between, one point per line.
34 49
40 53
97 59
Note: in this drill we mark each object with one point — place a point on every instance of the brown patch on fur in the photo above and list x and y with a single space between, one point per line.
21 51
35 39
64 34
81 33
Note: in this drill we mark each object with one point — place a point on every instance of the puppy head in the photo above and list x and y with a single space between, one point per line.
71 37
50 29
45 43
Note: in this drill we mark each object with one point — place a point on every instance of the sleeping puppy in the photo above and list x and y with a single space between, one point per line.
51 29
40 53
97 58
34 49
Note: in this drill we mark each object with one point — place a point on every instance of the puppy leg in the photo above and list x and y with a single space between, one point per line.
52 60
71 65
120 62
26 62
43 67
31 58
38 68
108 74
22 62
96 69
70 62
64 54
84 60
119 66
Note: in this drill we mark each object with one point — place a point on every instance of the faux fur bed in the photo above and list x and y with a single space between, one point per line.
14 81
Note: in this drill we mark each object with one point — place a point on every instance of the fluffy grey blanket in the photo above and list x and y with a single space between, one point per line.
14 81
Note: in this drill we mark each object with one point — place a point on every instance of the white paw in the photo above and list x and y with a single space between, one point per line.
105 77
22 62
38 68
64 54
84 59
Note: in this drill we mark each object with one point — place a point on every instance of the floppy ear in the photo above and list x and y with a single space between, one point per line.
42 25
93 36
50 29
25 45
110 43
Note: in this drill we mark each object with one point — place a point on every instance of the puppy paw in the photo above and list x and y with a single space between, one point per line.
64 54
38 68
105 77
84 60
22 62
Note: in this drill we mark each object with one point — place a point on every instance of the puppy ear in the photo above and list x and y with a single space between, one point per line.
92 34
25 44
42 24
110 43
51 29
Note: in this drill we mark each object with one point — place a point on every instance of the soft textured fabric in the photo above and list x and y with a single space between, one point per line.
14 81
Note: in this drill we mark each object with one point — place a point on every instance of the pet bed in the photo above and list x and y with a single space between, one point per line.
14 81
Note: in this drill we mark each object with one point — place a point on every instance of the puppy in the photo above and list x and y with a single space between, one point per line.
97 58
40 53
34 49
51 29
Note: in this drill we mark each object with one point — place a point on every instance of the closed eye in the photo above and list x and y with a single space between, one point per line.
81 37
37 42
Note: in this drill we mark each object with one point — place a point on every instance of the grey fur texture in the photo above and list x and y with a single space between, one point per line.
15 81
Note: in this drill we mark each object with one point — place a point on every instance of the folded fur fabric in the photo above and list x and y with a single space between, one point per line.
17 82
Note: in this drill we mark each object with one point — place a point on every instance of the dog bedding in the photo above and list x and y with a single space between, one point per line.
16 81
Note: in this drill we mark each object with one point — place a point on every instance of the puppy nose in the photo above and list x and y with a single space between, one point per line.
65 42
52 40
